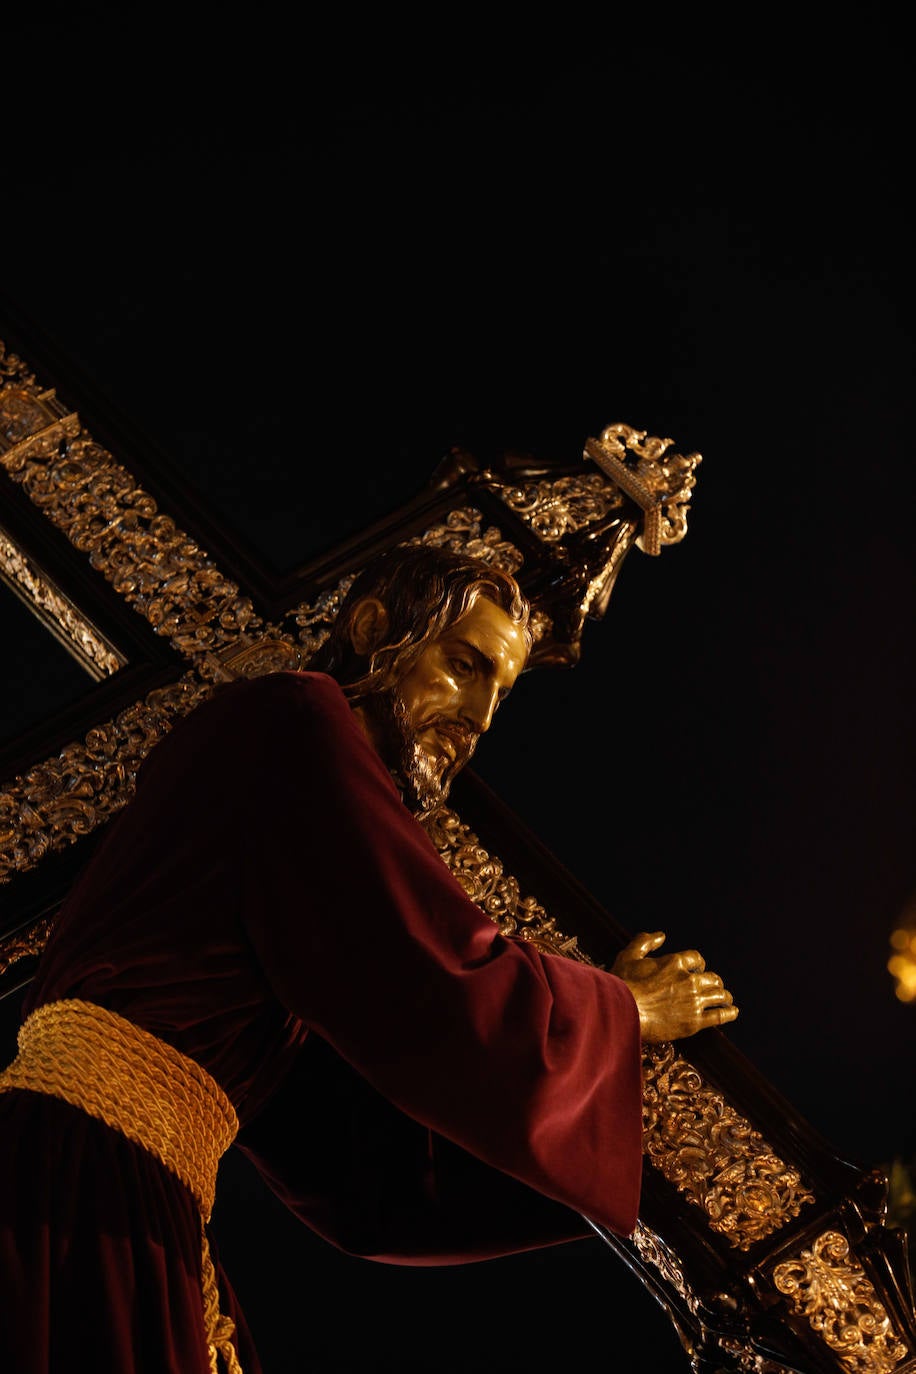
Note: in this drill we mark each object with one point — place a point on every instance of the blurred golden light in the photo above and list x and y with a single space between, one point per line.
902 965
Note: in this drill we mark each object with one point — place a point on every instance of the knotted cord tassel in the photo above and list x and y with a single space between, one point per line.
218 1327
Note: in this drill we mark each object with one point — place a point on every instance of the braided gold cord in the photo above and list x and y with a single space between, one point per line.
148 1091
218 1327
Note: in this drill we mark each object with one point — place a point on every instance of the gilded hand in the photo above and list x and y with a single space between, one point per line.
675 994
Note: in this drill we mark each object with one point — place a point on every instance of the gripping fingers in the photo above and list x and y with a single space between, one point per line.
713 998
691 961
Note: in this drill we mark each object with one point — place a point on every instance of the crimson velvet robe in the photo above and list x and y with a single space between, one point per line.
416 1087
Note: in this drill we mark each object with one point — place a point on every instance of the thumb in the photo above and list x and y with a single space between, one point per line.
644 943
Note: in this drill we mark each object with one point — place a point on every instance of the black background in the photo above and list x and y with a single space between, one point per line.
305 263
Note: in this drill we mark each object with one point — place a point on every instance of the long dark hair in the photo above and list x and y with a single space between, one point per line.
424 589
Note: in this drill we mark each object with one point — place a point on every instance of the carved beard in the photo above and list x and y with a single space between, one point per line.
424 782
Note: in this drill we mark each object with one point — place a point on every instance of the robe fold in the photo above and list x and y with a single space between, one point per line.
415 1087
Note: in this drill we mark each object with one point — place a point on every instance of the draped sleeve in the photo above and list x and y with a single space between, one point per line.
526 1061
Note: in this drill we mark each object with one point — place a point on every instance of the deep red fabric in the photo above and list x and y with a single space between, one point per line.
416 1087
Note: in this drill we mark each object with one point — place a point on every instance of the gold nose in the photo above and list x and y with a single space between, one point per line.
480 710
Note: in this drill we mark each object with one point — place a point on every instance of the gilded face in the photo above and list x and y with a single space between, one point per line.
448 698
452 692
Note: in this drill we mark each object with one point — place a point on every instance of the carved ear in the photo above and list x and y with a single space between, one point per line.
368 625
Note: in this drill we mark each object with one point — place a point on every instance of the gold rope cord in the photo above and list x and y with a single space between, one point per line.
152 1094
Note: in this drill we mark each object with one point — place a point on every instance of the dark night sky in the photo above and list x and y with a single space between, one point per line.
305 270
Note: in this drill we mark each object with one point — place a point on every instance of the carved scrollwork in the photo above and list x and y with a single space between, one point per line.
463 530
713 1156
652 1249
67 796
29 415
555 509
14 372
496 893
24 944
268 654
313 620
57 611
828 1285
746 1360
142 553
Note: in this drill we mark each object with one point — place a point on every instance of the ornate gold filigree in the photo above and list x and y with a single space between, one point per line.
265 655
313 620
746 1360
555 509
105 514
496 893
713 1156
653 1250
14 372
67 796
659 481
828 1285
30 416
463 531
24 944
56 611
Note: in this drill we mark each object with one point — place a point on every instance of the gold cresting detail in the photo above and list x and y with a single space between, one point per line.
57 611
59 801
555 509
658 481
828 1285
713 1156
